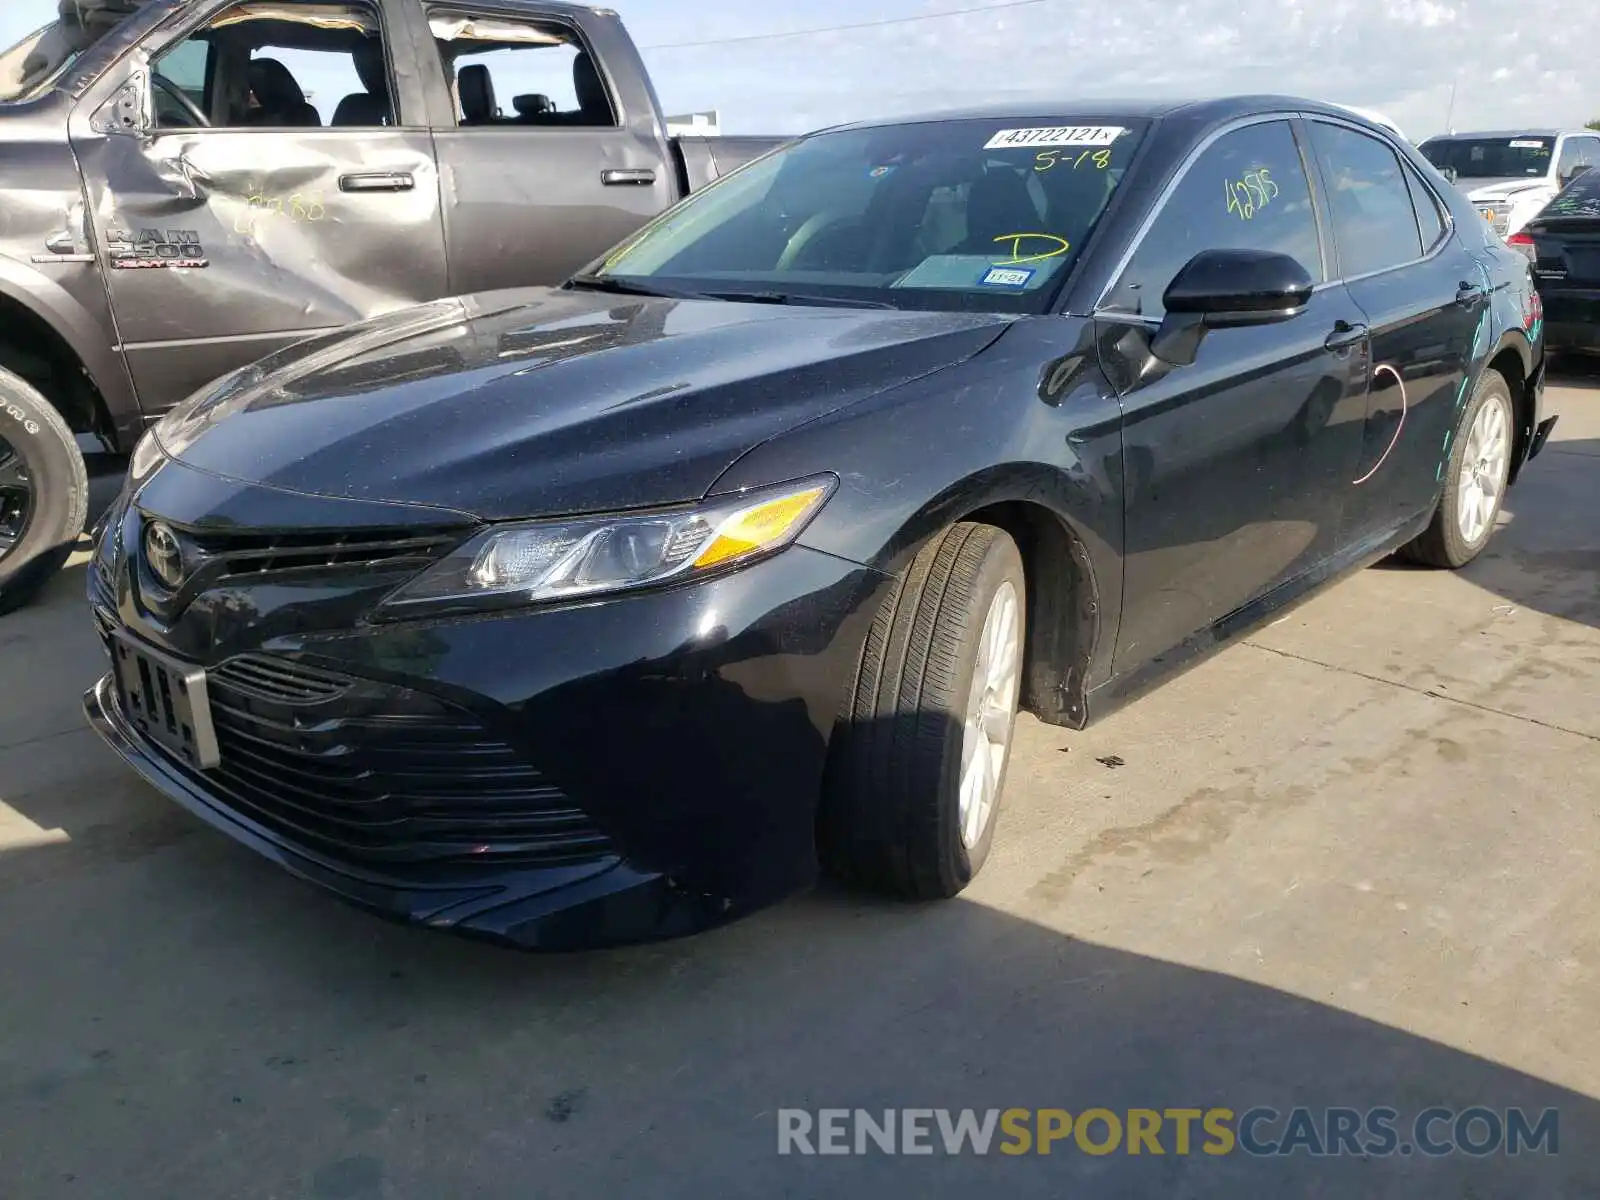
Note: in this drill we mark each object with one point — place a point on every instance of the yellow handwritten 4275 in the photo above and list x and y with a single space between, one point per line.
1252 193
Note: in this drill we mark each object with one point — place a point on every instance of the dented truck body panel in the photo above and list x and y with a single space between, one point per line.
165 257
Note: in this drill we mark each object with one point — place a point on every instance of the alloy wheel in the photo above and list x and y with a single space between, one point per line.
1484 469
991 714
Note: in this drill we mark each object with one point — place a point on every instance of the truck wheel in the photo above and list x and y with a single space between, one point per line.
1475 475
921 751
44 492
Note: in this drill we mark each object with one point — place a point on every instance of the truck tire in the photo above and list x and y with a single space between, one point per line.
1486 435
44 492
935 693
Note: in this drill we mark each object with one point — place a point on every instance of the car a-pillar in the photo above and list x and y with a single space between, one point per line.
46 400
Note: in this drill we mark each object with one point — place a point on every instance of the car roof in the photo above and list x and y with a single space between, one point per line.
1203 109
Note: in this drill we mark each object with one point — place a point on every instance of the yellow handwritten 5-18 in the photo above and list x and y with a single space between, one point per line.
1100 160
1252 193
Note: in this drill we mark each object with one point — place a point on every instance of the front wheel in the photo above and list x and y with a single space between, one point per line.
44 491
920 755
1476 473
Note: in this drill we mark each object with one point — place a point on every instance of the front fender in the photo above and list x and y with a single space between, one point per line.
88 335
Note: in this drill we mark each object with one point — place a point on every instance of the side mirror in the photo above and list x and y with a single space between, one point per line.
1450 174
1228 289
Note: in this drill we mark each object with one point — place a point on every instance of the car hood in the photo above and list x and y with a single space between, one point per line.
1504 189
543 402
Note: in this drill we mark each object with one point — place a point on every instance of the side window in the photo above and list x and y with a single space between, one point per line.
1578 154
294 64
1429 220
1374 223
513 73
1246 191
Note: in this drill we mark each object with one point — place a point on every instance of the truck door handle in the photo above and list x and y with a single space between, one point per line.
1468 294
377 181
643 177
1345 335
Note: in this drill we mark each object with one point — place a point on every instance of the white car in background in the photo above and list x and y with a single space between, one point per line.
1377 118
1510 175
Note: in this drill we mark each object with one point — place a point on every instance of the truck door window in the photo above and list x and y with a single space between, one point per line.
1578 154
510 73
284 64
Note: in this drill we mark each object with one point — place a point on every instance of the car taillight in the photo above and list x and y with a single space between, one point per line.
1524 244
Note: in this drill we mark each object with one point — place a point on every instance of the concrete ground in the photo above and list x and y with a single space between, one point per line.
1349 862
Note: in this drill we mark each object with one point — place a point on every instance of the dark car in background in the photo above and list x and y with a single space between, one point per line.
1563 242
578 615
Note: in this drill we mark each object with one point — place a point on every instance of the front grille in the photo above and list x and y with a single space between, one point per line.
266 677
381 775
258 554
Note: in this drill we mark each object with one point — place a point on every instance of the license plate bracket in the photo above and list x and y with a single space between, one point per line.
167 701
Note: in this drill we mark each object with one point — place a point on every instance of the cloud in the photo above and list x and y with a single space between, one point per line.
1398 56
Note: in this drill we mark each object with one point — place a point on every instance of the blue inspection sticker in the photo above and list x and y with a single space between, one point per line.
1009 277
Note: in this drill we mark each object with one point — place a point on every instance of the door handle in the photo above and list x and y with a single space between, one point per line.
377 181
1345 335
1468 294
641 177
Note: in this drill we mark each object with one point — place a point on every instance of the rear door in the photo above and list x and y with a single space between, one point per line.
550 148
1237 465
1426 304
240 202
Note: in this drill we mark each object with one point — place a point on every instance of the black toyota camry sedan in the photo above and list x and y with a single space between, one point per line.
607 612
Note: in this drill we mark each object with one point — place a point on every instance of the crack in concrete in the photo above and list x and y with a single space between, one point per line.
1429 692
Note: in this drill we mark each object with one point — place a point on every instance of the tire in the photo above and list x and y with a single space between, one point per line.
891 815
37 447
1450 541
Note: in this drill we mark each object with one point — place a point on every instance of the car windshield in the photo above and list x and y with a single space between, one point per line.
1491 158
963 214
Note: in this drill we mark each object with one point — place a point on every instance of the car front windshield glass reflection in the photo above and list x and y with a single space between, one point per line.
979 215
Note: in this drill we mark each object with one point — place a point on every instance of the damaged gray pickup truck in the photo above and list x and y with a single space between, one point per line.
188 185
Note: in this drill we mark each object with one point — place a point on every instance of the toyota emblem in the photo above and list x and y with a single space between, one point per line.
164 555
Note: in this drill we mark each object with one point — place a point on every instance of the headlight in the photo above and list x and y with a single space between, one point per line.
587 556
147 456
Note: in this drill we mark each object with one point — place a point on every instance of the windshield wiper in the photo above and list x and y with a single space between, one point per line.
629 287
797 298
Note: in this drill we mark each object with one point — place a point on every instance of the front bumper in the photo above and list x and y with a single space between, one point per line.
684 730
568 908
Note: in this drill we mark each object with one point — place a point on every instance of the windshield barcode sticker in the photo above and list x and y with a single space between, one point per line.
1056 135
1520 144
1013 277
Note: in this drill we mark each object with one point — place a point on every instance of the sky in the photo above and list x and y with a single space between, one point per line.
1511 65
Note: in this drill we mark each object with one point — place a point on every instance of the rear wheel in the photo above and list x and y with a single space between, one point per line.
44 491
920 756
1476 474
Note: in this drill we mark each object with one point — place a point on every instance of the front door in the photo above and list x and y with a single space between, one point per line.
544 165
1235 466
1426 303
255 181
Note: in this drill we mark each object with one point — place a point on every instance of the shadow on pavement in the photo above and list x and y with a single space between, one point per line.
184 1020
1546 554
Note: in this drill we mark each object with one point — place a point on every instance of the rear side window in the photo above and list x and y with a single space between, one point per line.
508 72
1374 222
1429 219
1246 191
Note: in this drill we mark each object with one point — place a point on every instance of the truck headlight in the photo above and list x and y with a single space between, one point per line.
565 559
